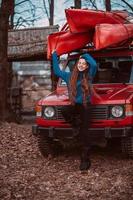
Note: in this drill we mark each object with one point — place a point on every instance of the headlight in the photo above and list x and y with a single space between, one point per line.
117 111
49 112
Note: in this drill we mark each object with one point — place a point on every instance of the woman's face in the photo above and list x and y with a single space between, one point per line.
82 64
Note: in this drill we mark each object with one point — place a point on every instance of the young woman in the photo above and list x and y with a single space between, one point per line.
79 83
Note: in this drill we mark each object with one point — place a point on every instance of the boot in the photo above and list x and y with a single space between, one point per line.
85 163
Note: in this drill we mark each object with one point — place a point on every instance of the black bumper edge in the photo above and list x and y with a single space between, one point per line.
106 132
35 130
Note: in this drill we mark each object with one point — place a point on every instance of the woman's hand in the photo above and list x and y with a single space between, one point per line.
53 51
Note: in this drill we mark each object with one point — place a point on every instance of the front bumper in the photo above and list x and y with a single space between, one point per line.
106 132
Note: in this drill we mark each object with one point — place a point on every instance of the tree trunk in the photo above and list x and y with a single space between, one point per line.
77 4
11 25
5 10
51 10
108 5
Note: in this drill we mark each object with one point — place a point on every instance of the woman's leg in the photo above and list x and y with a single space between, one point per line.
85 137
79 116
72 115
84 133
67 113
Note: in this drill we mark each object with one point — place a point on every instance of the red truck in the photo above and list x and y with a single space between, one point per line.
111 117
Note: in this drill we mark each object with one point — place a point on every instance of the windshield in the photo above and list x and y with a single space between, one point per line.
110 70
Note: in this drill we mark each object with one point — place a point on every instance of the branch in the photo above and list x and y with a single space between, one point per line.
123 6
49 2
46 10
127 4
91 3
94 4
17 4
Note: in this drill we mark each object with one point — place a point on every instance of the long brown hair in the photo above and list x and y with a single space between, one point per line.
84 85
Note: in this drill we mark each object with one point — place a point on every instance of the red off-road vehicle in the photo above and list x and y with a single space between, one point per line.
111 117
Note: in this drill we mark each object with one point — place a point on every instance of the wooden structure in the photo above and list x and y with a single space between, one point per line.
29 44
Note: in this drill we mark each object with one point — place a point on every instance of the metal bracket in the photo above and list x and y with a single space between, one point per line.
51 132
107 132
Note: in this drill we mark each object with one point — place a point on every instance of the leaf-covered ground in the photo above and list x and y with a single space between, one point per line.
25 174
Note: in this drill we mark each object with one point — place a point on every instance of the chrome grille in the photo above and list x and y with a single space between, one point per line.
97 112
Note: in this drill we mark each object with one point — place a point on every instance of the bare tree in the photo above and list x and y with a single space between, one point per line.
77 3
6 14
25 14
90 4
5 11
108 5
126 5
51 6
74 3
49 10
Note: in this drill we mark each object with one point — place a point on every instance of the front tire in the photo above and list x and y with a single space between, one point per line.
47 146
127 146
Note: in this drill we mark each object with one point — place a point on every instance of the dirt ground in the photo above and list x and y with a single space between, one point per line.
25 174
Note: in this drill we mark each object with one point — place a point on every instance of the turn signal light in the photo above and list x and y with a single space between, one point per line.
38 111
129 110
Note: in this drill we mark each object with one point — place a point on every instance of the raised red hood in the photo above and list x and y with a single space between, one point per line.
84 20
112 34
